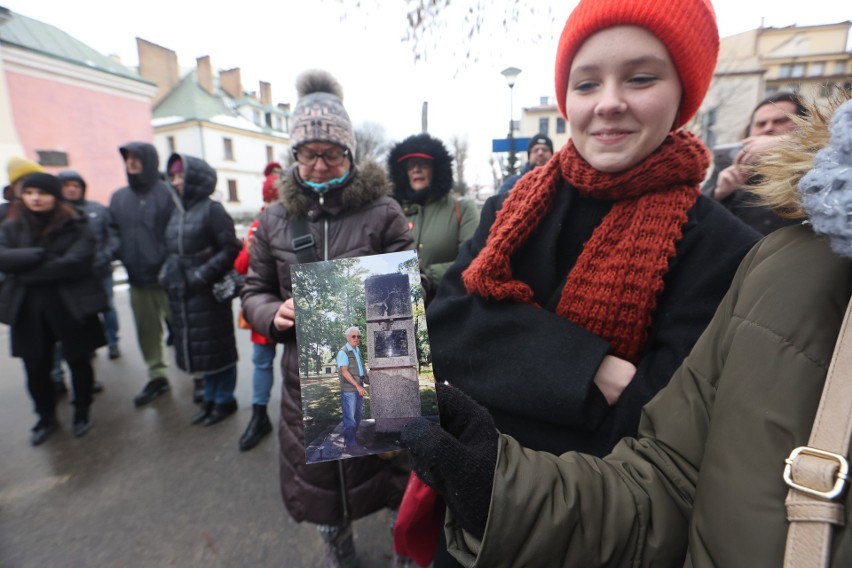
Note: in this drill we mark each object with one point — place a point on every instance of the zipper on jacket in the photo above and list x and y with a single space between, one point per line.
325 231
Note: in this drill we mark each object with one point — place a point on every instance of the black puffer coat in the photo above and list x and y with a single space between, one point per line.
200 249
139 213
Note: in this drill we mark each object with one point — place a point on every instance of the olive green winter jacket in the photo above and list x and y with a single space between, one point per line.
439 228
702 485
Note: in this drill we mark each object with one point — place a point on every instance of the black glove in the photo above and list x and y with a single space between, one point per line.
456 459
194 282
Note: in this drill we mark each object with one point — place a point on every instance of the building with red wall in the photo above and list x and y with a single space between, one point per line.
71 106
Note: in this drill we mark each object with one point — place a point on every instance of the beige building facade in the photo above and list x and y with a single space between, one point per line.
544 118
813 61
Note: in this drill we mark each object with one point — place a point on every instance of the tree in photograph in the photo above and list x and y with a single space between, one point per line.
329 299
314 291
418 311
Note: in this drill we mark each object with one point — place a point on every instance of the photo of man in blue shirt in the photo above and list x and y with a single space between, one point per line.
351 373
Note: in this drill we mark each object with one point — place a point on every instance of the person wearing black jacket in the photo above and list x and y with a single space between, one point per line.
74 192
139 214
50 294
201 247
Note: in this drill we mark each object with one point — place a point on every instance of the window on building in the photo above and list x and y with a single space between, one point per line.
816 69
269 154
170 140
771 90
784 71
52 158
543 125
269 119
840 68
256 117
229 148
277 124
233 197
560 125
797 70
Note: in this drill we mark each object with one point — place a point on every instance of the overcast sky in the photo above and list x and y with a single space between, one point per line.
274 41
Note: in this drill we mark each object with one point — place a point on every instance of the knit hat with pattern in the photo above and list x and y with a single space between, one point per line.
319 115
686 27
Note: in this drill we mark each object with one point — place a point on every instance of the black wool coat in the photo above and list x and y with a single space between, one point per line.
50 283
201 246
533 369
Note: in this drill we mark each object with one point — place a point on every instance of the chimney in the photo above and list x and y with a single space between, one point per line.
265 93
231 82
205 74
158 65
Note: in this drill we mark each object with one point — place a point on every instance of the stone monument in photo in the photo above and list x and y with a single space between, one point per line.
391 345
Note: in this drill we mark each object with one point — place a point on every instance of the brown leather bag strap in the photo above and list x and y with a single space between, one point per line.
817 473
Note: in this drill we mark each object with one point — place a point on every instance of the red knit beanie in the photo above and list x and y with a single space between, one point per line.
270 194
686 27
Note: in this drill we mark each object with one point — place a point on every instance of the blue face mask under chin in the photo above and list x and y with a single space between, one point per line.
325 186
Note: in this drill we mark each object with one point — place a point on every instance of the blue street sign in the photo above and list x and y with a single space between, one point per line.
502 144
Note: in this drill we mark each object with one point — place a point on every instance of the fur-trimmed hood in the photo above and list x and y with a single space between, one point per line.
442 167
368 182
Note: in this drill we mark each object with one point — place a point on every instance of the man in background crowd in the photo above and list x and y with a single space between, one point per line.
139 213
539 151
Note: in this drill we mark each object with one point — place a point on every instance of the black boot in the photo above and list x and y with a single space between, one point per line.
82 422
198 391
43 429
204 413
258 427
153 389
220 412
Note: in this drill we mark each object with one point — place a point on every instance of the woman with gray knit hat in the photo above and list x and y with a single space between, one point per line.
328 209
421 170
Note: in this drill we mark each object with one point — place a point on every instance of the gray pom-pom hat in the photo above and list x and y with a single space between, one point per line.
319 115
827 188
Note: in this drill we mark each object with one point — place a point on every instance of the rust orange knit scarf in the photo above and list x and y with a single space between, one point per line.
612 289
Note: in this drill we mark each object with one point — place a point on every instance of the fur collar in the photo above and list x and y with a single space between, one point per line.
368 182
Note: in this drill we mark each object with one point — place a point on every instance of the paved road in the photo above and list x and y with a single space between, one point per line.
145 488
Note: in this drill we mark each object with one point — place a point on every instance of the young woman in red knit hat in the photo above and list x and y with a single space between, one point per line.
583 289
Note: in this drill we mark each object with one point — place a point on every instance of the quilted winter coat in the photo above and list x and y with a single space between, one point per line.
201 246
357 220
702 484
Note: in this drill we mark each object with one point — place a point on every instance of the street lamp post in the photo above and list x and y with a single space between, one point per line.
511 74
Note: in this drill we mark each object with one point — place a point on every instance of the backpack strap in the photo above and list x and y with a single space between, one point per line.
817 473
302 240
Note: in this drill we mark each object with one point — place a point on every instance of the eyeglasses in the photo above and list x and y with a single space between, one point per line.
417 163
332 157
356 336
